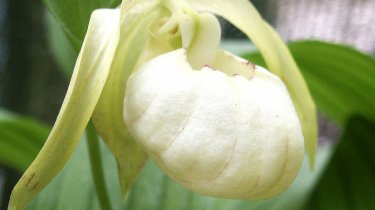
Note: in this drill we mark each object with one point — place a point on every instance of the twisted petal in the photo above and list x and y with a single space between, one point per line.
90 74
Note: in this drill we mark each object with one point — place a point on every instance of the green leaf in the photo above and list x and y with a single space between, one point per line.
73 16
62 51
340 78
89 76
348 182
20 140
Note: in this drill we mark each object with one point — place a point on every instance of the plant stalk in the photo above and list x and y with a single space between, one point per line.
97 167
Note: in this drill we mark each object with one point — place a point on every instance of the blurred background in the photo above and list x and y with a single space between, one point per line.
33 80
30 82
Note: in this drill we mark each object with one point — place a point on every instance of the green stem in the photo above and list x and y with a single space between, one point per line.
97 167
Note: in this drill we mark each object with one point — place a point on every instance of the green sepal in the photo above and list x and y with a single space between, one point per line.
244 16
89 76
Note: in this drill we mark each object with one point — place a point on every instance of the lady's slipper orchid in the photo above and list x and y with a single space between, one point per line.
228 130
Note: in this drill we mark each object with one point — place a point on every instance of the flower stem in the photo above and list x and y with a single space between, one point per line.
97 167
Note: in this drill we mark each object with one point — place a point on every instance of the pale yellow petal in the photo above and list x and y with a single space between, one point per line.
90 74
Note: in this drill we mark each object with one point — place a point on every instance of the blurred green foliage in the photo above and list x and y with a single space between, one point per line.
341 79
20 140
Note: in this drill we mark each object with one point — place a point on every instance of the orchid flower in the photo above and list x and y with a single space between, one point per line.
155 82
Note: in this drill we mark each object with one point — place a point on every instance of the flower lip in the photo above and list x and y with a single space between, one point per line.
213 132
